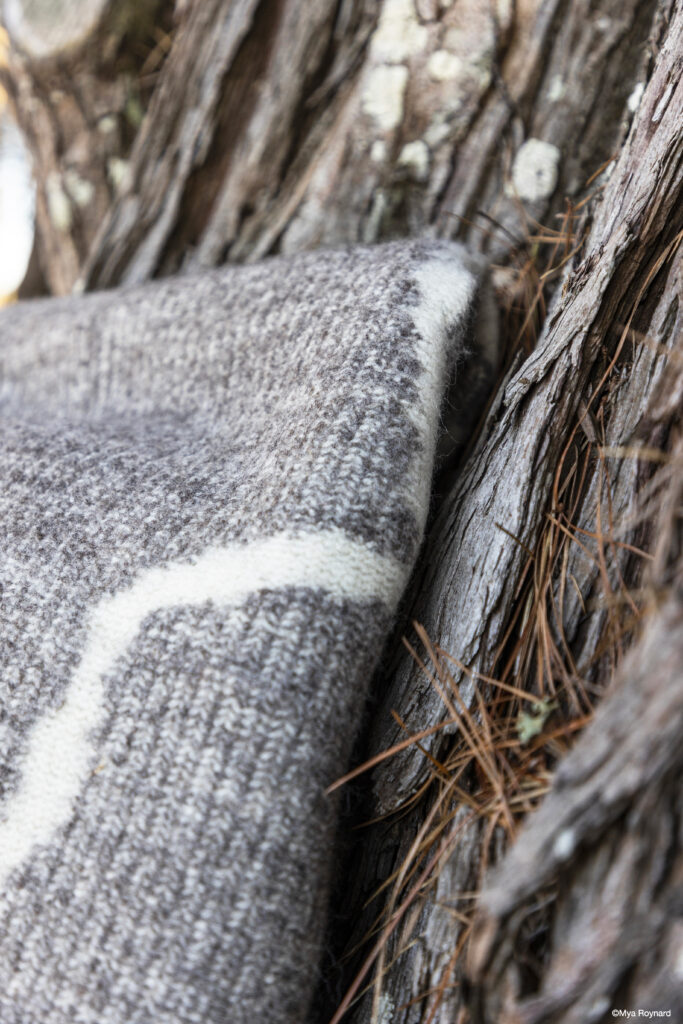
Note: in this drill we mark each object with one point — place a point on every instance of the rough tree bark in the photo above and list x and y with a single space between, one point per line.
80 74
274 126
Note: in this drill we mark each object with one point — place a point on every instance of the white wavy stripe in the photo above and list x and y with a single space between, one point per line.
446 291
60 751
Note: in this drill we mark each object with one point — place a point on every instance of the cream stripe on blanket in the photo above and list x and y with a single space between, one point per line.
212 493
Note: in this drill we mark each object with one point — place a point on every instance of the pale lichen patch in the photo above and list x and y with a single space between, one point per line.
58 204
378 151
399 34
386 1009
475 55
118 172
384 93
443 65
557 88
534 171
415 158
438 131
107 124
80 189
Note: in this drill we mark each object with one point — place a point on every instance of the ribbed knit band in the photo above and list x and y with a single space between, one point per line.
212 493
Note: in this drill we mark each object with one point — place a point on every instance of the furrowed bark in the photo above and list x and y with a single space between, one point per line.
620 300
275 129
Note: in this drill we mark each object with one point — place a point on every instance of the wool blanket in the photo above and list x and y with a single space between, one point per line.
213 490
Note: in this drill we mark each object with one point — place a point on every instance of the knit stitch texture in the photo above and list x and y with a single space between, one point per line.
212 494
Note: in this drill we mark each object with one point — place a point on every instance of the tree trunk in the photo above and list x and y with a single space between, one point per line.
274 126
79 74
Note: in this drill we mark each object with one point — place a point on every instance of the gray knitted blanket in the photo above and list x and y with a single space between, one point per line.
212 493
